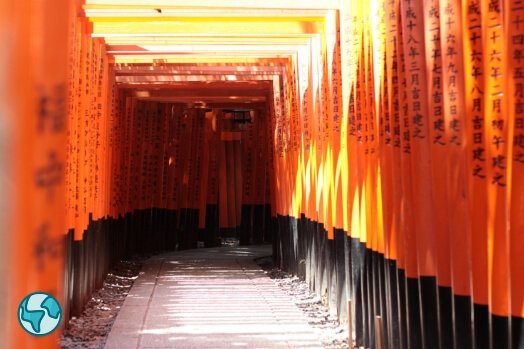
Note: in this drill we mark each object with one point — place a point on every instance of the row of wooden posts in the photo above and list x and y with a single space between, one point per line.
402 128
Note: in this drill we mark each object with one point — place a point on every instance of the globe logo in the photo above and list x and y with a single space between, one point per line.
39 313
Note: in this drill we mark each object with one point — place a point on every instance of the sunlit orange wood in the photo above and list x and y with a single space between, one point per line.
389 167
454 97
407 256
183 26
417 145
515 161
437 138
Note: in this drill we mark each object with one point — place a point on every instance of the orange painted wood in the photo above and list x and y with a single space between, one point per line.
111 200
106 110
324 183
294 185
170 154
388 138
346 83
81 220
380 106
214 155
231 184
417 146
150 160
101 110
192 166
238 175
186 148
374 200
338 137
361 133
439 139
249 158
303 129
476 152
72 113
134 157
34 125
396 102
155 168
135 160
354 129
286 160
294 176
200 194
195 158
177 142
206 164
406 237
89 118
310 140
165 115
271 196
186 120
141 152
144 112
278 150
95 130
385 190
157 155
125 147
454 94
369 177
496 133
116 201
169 161
223 220
515 88
260 153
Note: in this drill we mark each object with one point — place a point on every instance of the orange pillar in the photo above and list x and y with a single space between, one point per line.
515 88
33 124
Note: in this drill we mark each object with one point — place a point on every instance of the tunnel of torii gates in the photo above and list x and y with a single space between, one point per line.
378 145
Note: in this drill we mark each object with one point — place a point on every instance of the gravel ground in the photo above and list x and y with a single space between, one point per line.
92 328
330 331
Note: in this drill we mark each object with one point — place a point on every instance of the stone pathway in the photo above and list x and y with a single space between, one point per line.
209 298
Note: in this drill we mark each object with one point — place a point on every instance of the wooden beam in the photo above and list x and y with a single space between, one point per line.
202 48
104 11
296 39
253 4
192 59
179 27
196 68
174 78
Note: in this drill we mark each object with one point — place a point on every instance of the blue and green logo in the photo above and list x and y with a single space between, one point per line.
39 313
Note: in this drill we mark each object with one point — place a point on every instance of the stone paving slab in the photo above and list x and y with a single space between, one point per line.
209 298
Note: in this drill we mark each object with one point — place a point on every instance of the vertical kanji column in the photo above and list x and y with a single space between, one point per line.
515 87
496 133
454 97
392 186
474 77
439 164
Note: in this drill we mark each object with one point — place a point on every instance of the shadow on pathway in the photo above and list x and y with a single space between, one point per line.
209 298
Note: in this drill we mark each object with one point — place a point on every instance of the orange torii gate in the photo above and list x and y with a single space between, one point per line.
385 150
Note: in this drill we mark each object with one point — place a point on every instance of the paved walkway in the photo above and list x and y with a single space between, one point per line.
209 298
